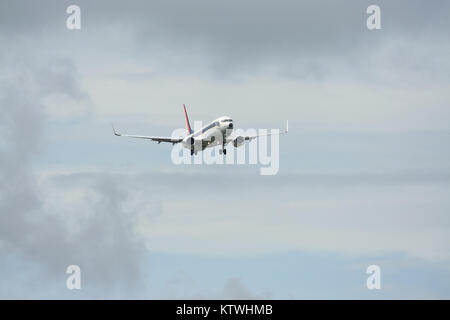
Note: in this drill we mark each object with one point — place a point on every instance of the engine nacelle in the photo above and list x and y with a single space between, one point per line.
238 141
190 141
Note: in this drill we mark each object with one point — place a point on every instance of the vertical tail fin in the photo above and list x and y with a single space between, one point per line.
188 125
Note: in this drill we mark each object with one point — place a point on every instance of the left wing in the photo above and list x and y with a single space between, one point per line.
157 139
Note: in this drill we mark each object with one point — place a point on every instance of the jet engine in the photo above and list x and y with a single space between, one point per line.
190 141
238 141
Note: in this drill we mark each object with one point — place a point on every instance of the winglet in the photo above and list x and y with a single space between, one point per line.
188 125
115 132
287 126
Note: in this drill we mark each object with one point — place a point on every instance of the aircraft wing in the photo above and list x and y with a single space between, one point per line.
157 139
250 138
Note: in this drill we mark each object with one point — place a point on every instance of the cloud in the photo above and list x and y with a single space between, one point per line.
347 214
100 239
234 289
340 213
314 63
182 285
300 39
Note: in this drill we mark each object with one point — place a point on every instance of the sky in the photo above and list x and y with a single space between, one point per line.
364 171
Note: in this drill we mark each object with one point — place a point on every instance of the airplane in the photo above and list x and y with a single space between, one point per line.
217 132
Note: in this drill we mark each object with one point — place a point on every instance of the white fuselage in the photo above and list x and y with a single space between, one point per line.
211 135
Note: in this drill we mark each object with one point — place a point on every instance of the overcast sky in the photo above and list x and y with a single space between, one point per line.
364 172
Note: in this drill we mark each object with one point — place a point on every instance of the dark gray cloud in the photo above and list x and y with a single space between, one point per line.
294 38
103 242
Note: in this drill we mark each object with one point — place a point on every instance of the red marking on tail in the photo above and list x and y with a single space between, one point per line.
188 125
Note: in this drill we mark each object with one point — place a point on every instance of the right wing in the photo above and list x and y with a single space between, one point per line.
250 138
157 139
